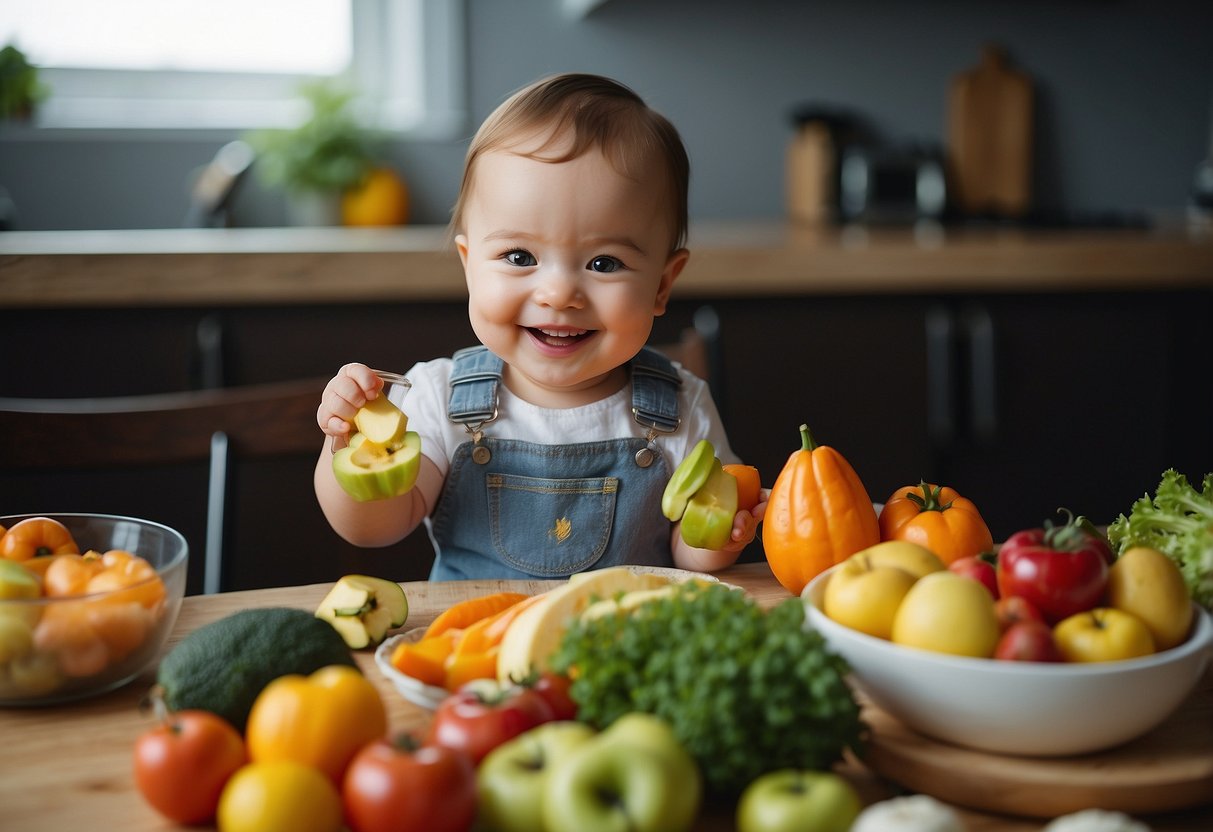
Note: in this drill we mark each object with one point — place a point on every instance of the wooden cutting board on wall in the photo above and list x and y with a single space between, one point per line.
990 137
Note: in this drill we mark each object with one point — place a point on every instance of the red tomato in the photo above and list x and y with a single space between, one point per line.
554 688
182 765
979 569
1027 641
402 787
482 715
1061 570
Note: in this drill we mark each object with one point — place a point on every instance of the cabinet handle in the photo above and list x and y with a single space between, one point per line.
941 411
983 388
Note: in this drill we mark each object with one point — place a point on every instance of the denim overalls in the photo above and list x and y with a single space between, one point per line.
513 509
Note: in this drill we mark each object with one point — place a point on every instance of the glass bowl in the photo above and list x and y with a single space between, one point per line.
56 648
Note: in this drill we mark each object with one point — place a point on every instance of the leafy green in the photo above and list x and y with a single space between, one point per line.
1177 521
747 691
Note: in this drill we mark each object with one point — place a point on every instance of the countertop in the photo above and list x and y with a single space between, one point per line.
69 767
287 266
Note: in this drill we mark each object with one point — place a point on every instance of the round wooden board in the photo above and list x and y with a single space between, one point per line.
1168 769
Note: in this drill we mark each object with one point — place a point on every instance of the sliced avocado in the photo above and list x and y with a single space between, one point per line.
371 471
362 609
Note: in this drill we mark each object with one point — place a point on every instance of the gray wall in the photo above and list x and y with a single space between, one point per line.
1125 89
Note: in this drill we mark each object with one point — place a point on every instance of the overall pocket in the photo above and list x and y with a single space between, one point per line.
551 527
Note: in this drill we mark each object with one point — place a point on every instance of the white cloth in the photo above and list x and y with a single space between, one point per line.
609 418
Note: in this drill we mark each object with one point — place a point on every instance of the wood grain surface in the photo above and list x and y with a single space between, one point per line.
68 767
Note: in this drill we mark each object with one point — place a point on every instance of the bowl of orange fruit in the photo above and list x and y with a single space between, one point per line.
86 603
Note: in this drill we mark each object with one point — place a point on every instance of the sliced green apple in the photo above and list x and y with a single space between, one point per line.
362 609
688 477
371 471
380 421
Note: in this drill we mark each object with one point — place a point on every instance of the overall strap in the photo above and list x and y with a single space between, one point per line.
655 384
477 372
474 379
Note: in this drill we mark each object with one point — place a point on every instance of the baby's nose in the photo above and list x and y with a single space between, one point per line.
559 287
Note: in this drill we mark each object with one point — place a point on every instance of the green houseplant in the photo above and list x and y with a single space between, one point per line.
320 159
20 89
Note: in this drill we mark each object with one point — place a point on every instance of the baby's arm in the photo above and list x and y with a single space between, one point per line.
745 527
377 522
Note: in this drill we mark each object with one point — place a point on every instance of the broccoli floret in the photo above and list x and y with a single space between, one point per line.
747 691
1178 521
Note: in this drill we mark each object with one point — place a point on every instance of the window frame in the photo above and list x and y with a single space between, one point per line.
185 103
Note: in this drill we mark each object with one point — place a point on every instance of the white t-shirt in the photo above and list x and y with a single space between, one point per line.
609 418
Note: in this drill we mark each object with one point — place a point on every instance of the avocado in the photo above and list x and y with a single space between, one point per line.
222 666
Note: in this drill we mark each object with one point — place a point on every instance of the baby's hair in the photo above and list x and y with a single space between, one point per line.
596 113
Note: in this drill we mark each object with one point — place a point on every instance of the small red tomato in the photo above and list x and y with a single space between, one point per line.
979 569
1028 641
482 715
400 786
554 688
182 765
1011 609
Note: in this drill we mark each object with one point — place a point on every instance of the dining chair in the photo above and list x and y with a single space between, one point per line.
698 349
215 427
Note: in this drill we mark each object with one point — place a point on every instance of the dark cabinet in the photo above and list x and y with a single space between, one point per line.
1024 403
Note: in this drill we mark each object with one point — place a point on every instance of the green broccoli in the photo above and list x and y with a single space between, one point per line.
747 691
1177 521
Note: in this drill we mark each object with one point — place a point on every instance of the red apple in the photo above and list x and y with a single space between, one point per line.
1011 609
1027 641
979 569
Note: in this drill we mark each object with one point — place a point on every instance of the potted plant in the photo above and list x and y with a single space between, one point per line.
20 89
318 161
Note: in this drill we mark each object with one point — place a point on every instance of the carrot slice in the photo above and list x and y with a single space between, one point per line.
465 613
425 660
481 635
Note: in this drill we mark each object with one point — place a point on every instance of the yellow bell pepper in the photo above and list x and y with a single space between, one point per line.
320 720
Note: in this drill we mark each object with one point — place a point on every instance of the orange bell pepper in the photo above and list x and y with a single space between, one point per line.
36 536
938 518
425 660
818 514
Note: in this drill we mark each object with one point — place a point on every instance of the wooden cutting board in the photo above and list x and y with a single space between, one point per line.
1168 769
990 138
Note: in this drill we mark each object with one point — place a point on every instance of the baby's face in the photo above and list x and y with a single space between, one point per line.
567 264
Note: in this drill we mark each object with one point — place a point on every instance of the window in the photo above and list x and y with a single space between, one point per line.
236 64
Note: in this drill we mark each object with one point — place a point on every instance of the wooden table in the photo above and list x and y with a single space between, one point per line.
68 767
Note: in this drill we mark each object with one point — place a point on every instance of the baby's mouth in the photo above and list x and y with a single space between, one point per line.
558 337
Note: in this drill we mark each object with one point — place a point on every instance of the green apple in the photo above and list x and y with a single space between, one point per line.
865 596
791 800
635 776
17 582
511 780
370 471
362 609
380 421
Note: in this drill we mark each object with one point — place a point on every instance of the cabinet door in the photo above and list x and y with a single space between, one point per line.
852 368
1078 401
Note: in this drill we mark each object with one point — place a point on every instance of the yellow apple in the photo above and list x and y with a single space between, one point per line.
947 613
1103 634
915 559
380 421
1148 584
865 597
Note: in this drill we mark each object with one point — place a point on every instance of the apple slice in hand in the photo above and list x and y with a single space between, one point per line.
380 421
362 609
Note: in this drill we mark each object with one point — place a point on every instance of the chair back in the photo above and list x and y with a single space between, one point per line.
214 427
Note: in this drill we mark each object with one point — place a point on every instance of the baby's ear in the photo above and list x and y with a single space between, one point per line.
673 267
461 245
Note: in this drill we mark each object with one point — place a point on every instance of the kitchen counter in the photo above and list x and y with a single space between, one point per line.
200 267
69 767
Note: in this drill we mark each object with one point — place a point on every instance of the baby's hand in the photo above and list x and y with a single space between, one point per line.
352 387
745 523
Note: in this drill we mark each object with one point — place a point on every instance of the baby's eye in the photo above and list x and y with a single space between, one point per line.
519 257
605 264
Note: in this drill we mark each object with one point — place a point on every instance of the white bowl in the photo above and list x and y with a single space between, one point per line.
1026 708
414 690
